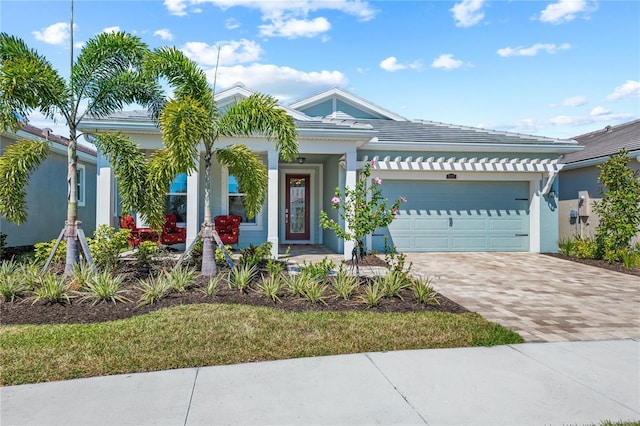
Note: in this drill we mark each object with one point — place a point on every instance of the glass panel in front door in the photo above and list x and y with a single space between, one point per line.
297 205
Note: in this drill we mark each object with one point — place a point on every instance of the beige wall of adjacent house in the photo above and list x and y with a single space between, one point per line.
584 221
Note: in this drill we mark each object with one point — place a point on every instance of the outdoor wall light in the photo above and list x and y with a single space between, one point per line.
301 160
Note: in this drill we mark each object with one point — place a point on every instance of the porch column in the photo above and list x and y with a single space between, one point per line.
105 193
193 204
349 182
272 201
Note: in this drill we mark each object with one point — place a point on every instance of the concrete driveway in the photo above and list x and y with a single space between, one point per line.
543 298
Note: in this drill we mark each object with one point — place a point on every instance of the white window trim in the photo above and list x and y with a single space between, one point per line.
258 225
82 183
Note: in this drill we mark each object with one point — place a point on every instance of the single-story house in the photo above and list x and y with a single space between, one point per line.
467 189
47 190
579 185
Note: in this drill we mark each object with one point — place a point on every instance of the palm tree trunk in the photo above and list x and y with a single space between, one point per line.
71 224
208 267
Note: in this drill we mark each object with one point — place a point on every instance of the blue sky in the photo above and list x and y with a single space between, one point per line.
556 68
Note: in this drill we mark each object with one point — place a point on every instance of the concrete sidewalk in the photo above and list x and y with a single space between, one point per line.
532 383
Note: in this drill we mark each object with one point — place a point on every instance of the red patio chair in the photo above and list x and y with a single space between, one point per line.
228 228
171 232
137 235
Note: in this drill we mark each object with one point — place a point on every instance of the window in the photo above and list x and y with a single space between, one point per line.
177 198
80 184
235 200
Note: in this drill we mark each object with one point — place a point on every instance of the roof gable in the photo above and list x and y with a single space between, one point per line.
337 103
239 92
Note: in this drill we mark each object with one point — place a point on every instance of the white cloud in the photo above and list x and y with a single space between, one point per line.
571 125
468 12
598 111
110 30
284 83
231 52
564 11
231 24
294 28
57 33
630 89
446 61
391 64
574 101
533 50
176 7
284 18
164 34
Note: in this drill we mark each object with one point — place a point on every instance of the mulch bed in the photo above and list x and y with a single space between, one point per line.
618 267
24 312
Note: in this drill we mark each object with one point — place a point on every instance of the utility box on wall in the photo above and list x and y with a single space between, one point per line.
584 203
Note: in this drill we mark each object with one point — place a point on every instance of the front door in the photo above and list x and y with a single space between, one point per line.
296 209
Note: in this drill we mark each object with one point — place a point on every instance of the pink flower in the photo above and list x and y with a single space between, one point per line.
403 199
393 217
373 162
332 221
396 210
378 181
335 200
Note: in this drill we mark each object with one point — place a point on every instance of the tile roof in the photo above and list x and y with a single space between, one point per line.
424 131
47 135
607 141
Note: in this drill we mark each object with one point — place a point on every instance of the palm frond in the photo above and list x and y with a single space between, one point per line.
16 165
184 123
185 76
260 114
107 74
251 174
129 167
27 82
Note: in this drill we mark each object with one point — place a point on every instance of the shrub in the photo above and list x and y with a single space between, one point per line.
212 285
297 283
30 273
144 254
630 258
153 289
318 270
82 275
104 286
392 283
241 276
584 248
43 250
275 267
51 288
314 291
271 286
219 254
344 284
424 292
619 209
180 279
253 256
11 286
106 245
372 294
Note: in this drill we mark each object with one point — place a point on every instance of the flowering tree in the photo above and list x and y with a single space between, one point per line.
363 208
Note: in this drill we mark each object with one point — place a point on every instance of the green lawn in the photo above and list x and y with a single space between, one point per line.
214 334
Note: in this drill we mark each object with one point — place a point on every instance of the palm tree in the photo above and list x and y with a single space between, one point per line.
190 122
104 77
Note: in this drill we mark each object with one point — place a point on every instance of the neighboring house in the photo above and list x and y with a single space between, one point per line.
579 176
47 190
467 189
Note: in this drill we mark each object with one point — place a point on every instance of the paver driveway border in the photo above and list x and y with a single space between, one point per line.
543 298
